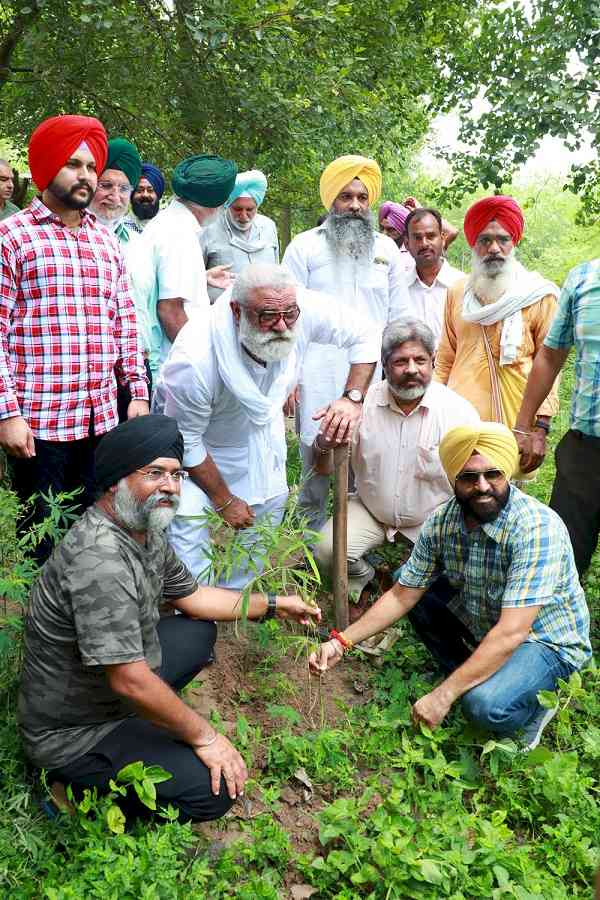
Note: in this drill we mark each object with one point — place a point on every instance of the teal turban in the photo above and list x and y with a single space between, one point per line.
122 155
251 184
206 180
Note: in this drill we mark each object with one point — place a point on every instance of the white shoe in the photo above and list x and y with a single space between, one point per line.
532 734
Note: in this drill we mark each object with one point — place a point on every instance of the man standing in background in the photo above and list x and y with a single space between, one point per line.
145 200
7 186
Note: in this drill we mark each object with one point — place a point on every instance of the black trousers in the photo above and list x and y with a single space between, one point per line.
59 466
187 647
576 493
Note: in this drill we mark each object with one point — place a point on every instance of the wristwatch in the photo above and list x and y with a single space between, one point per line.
271 611
355 395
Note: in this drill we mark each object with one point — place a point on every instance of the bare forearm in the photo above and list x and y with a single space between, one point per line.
390 607
546 366
220 604
155 701
172 316
210 480
494 650
360 376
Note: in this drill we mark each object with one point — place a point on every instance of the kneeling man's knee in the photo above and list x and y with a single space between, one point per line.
204 806
486 710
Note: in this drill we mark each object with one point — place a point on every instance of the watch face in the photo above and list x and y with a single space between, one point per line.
355 395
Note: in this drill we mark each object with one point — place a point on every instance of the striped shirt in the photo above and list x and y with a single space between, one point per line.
577 322
66 321
521 558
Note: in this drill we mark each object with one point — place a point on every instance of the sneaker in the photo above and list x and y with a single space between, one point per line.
357 581
532 733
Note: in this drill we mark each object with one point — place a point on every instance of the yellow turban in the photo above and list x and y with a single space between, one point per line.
491 439
345 169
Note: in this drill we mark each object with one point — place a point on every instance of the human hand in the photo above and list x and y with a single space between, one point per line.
137 408
238 514
289 407
220 276
432 708
221 758
411 203
339 420
326 657
294 607
16 437
532 449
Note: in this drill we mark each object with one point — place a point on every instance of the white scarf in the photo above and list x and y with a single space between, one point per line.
526 288
264 410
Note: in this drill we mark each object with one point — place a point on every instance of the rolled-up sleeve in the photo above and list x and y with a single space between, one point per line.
329 322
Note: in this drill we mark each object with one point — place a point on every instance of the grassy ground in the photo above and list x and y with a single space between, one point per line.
347 799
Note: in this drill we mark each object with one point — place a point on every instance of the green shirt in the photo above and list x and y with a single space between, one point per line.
9 209
96 603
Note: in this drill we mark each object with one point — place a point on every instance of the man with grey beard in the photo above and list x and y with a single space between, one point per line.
347 258
101 668
226 384
496 320
399 477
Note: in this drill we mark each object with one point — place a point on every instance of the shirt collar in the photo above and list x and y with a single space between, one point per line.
444 276
386 398
42 213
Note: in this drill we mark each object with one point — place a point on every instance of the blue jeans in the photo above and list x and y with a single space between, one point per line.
507 701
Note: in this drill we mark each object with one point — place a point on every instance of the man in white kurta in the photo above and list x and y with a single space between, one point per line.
398 474
346 258
430 274
228 400
167 264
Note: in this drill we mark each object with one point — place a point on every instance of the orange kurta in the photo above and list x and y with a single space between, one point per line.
462 361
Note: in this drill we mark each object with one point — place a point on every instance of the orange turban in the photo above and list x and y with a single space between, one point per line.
55 140
345 169
504 210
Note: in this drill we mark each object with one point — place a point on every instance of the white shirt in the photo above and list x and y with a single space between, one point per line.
427 302
169 264
377 290
395 457
211 418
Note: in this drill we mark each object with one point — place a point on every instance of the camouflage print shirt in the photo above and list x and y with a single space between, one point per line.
96 603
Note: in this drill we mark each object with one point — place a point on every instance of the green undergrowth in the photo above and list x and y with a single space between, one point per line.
397 812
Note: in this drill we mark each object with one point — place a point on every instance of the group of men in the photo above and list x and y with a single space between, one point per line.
442 384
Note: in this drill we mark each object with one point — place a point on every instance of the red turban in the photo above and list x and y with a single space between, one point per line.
504 210
55 140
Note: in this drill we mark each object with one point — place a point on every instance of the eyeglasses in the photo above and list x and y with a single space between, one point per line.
160 476
123 189
485 240
270 317
470 479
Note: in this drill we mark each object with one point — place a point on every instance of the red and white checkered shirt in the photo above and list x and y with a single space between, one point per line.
66 320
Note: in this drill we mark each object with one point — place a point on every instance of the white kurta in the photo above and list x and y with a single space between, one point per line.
377 291
169 264
427 302
212 419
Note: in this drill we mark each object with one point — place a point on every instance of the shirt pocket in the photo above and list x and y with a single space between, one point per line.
429 468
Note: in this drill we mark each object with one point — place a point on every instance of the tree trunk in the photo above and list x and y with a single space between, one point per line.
11 36
285 227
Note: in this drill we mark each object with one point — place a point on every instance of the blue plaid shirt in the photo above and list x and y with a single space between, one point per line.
577 322
522 558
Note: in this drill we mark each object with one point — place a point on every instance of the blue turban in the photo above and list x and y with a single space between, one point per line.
249 184
155 177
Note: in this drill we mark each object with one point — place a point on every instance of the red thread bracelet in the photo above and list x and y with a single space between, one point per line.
344 641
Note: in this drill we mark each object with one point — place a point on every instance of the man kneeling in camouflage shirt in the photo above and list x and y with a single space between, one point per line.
101 667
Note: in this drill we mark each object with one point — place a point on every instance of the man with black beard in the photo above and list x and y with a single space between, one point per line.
363 269
146 196
491 589
101 668
495 321
225 382
68 329
398 475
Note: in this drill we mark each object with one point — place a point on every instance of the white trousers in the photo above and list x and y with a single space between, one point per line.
191 541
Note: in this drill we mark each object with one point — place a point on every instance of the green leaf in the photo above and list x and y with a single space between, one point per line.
115 819
132 772
547 699
431 872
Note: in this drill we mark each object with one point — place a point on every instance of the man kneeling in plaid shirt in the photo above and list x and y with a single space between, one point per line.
67 321
491 589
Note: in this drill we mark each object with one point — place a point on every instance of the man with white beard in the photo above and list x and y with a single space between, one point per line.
226 384
347 258
101 668
496 320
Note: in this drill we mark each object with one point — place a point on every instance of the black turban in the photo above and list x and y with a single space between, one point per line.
134 444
